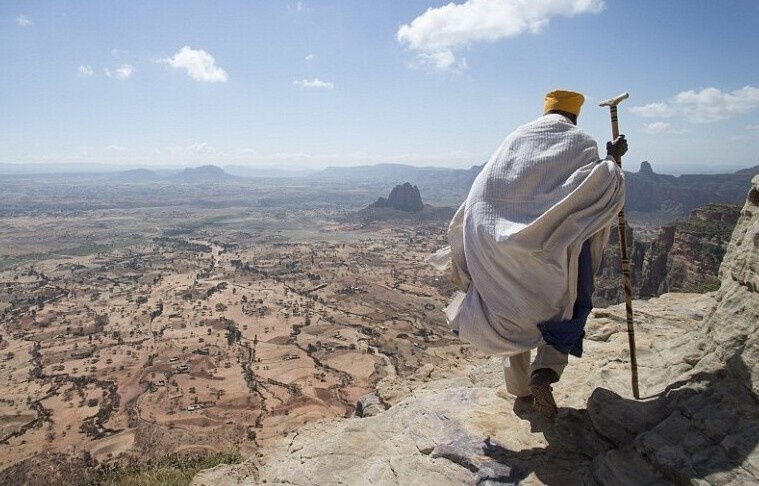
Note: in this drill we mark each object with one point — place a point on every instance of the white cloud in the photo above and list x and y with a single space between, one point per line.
309 58
705 106
653 110
121 73
314 83
438 32
200 65
115 148
85 71
657 128
711 104
443 60
24 21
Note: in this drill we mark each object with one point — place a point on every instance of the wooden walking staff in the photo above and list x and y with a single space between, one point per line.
626 280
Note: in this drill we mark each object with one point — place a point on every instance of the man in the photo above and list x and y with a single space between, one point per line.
526 243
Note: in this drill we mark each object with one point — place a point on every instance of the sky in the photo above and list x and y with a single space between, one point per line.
308 84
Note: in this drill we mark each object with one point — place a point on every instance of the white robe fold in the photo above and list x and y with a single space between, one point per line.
516 240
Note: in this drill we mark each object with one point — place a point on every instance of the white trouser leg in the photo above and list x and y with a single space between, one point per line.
516 371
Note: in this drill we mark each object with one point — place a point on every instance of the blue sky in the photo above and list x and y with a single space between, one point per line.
309 84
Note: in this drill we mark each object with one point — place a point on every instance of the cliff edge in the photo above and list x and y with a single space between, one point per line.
698 360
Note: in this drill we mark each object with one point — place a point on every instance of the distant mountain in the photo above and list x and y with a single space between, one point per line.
663 197
751 171
204 173
265 172
650 192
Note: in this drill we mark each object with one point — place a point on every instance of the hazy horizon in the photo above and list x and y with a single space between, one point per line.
102 168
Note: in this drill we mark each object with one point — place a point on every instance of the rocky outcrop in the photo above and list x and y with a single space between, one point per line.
703 428
698 361
733 329
404 197
646 169
683 257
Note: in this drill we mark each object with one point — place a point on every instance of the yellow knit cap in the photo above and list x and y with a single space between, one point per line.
568 101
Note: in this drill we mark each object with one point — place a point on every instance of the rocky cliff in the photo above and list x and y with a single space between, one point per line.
697 423
682 257
403 197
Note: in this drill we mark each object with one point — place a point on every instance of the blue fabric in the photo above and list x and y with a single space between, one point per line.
566 336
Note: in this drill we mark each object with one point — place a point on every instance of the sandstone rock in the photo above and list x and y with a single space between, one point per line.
703 428
734 325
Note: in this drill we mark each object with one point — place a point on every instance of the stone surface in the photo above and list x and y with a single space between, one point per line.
696 422
733 327
703 427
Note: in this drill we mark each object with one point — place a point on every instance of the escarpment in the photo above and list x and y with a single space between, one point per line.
696 423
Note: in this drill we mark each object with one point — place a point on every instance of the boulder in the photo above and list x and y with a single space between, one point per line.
369 405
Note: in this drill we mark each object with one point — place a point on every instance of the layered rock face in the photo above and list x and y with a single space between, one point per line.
704 428
697 423
733 328
403 197
684 257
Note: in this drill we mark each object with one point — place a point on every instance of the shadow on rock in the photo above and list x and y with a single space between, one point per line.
702 431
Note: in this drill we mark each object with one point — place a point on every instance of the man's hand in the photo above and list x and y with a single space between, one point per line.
617 148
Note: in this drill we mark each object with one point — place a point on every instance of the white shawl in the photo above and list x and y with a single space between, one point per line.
516 240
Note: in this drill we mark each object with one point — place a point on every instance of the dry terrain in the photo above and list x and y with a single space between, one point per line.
140 332
141 318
